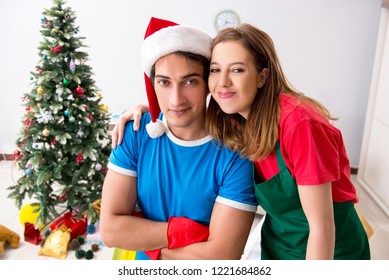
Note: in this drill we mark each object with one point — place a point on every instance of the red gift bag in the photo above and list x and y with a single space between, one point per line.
70 220
31 234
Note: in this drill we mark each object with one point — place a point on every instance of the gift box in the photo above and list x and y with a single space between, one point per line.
70 219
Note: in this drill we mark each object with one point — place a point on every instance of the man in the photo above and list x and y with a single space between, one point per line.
197 198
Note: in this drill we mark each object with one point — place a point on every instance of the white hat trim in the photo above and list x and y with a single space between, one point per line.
172 39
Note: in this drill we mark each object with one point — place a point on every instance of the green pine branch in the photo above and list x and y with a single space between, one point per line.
63 142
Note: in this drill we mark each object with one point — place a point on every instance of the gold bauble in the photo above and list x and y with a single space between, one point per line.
46 132
40 90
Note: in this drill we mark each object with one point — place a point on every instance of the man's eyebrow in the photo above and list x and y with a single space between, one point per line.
161 76
194 74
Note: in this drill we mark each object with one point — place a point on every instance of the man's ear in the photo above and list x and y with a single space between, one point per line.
262 77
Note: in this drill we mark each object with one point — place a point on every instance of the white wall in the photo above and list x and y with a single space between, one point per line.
326 48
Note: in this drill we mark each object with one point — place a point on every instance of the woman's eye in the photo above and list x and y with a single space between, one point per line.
237 70
214 70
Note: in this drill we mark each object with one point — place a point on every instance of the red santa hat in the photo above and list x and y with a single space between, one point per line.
164 37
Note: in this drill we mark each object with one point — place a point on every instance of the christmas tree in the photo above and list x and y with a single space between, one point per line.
64 144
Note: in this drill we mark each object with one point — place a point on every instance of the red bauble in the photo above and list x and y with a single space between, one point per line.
80 158
79 90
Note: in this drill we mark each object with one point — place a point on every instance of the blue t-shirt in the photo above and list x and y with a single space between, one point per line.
183 178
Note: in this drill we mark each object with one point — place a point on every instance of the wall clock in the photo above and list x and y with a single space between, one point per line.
226 19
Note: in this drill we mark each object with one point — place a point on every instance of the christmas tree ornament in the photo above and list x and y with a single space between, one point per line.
47 232
45 132
29 213
95 247
79 90
37 146
63 197
28 172
44 57
97 205
72 119
54 30
16 153
72 66
80 158
57 49
103 108
65 82
40 90
80 134
67 112
98 167
91 229
44 116
31 78
28 122
66 17
74 244
81 239
43 19
89 255
80 254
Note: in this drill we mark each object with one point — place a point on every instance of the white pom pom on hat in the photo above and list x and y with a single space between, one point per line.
155 129
162 38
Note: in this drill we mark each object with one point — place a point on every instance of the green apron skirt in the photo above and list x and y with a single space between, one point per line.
285 229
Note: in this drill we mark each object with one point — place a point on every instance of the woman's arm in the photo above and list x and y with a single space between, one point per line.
228 233
135 114
318 208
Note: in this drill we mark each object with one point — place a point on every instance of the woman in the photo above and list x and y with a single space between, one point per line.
302 172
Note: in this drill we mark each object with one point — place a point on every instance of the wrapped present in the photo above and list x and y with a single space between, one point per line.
31 234
70 219
56 244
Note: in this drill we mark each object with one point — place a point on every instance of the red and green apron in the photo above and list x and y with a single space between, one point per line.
285 229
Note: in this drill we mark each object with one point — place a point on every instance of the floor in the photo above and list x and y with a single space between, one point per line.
9 217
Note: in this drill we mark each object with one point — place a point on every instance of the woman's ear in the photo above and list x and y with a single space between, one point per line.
262 77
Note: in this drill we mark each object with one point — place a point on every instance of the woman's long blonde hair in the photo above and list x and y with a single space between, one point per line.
257 136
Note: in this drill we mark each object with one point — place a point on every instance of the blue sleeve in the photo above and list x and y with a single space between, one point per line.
237 189
123 158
